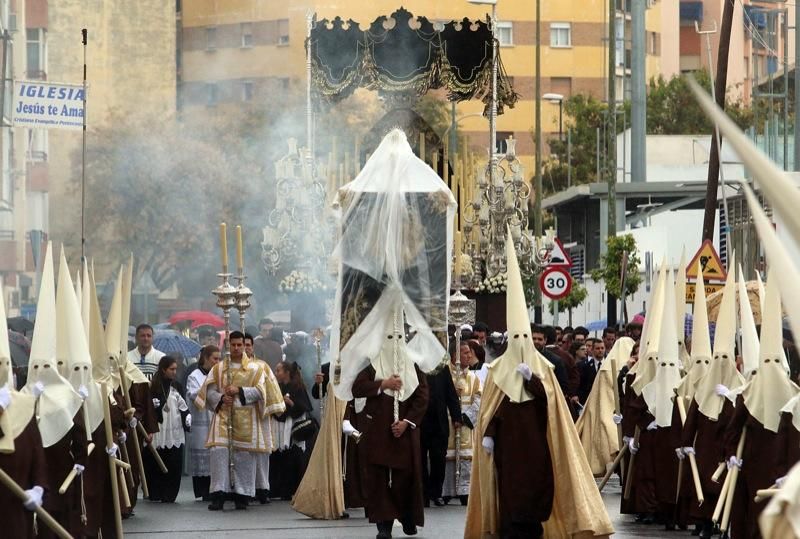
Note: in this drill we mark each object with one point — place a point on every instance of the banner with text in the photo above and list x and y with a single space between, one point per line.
48 105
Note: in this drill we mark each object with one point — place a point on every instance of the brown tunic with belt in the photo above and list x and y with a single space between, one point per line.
524 467
61 457
26 466
379 452
643 493
353 486
760 468
146 415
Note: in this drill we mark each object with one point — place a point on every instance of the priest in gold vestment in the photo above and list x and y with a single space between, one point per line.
246 395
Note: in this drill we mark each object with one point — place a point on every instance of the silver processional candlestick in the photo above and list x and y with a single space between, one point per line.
226 300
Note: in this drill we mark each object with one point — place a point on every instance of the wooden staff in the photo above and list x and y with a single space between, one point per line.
629 480
130 410
617 410
123 488
721 500
153 450
764 493
718 472
610 472
680 477
73 473
734 473
698 488
124 450
43 515
112 469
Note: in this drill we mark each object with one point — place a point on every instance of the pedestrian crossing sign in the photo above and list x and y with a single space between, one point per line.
709 260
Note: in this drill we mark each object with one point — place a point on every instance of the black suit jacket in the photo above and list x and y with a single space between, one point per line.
560 370
442 399
588 374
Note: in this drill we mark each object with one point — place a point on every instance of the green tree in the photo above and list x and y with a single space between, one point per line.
610 270
577 295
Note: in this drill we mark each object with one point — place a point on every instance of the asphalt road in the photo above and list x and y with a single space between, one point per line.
191 519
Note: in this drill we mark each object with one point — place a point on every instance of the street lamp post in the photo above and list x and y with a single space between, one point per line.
557 98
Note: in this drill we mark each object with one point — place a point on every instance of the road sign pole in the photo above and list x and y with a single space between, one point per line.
555 312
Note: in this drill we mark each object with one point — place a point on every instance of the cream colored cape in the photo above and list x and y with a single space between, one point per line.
14 420
578 509
321 492
781 517
596 428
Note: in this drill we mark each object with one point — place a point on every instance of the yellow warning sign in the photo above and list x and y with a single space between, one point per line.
710 289
713 270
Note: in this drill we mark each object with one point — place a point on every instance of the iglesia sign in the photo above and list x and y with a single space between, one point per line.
47 105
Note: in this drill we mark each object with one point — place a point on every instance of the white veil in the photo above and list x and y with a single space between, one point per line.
396 234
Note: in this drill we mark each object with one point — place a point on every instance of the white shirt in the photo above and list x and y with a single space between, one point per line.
170 432
149 364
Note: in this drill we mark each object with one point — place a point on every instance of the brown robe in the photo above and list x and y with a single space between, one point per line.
27 467
146 415
522 457
97 483
760 468
643 492
379 452
706 436
788 445
61 457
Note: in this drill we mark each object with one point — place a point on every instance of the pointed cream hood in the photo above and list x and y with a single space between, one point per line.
700 359
648 355
749 332
520 348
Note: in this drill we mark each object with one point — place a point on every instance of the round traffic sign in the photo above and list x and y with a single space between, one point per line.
555 282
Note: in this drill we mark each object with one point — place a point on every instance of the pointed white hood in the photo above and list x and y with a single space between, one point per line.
520 348
749 332
659 393
72 338
648 354
770 389
58 403
723 363
700 358
680 312
394 359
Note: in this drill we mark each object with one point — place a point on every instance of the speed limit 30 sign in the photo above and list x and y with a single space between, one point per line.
555 282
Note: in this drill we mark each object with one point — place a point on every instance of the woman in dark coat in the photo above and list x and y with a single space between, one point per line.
288 463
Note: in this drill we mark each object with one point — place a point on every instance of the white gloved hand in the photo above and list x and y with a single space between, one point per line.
347 427
733 461
525 371
488 444
122 437
721 390
617 419
680 454
113 450
133 422
34 500
5 397
633 446
688 451
38 389
156 402
188 421
79 468
83 392
652 426
780 481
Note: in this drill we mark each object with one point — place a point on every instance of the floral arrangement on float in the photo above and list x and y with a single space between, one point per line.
299 282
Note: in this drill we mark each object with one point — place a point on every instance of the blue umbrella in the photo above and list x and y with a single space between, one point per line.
171 343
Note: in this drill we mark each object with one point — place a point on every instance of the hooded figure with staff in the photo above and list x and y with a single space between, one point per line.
394 275
531 476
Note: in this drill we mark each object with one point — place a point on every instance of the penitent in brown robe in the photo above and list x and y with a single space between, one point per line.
643 492
146 415
524 466
760 458
788 445
379 452
706 436
27 467
353 486
61 457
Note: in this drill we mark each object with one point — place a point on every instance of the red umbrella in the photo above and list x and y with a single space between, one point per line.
198 318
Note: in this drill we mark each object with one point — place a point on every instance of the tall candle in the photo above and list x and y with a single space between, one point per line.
446 164
458 254
223 245
422 146
239 249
